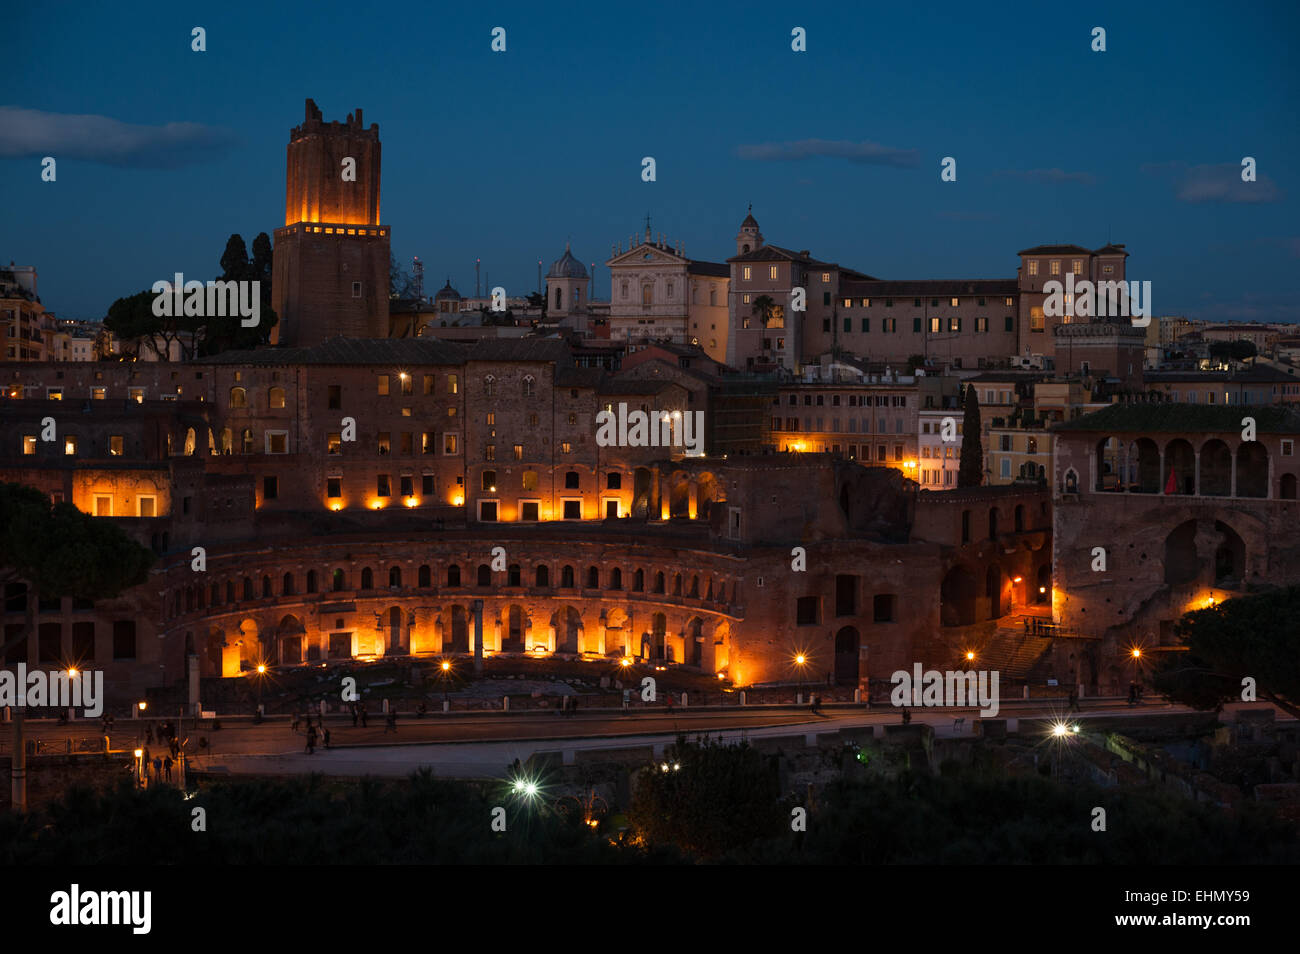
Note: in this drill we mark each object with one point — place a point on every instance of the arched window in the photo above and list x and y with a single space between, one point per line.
238 397
214 595
659 582
266 587
367 578
559 298
593 578
453 575
566 576
276 397
616 579
512 575
248 588
638 581
286 585
677 584
189 442
625 286
530 385
311 581
489 385
543 576
424 577
246 441
227 441
484 575
230 591
695 586
338 581
394 577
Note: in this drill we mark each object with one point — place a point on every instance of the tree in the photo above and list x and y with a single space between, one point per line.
1229 351
132 320
722 796
401 284
59 551
222 333
1250 636
764 309
971 472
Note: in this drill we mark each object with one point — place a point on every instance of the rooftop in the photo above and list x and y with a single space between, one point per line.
1167 417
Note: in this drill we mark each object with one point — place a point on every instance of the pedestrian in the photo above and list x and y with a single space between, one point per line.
167 767
157 768
297 721
816 701
627 699
326 736
146 760
907 716
390 722
311 740
668 700
575 706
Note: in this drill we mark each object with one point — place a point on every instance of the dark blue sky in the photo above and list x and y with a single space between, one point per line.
505 156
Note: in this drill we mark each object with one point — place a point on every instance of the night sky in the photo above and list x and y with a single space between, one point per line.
506 156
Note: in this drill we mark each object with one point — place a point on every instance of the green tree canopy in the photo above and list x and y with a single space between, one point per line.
1250 636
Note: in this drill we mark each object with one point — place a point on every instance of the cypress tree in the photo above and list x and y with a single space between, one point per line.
971 473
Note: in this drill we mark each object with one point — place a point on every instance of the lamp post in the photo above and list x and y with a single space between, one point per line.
800 660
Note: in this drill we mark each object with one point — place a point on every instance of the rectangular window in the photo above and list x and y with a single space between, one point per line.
954 302
383 486
335 397
572 509
356 289
805 613
146 506
1036 319
981 324
277 442
98 394
519 451
1009 324
566 447
408 383
334 443
490 452
772 272
427 485
382 381
270 488
916 326
408 443
1288 448
848 324
385 442
529 510
936 325
70 446
407 485
826 298
747 273
103 505
1006 466
333 487
954 324
29 444
1033 268
427 442
453 384
1056 267
123 639
449 443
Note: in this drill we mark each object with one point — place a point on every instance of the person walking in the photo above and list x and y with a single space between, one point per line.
297 721
167 767
311 740
627 699
325 735
364 717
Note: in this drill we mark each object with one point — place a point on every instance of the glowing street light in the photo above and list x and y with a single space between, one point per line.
970 656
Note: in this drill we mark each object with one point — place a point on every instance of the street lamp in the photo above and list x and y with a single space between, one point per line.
445 666
800 660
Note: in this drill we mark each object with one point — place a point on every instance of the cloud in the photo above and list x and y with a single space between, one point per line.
1048 175
29 133
865 153
1219 182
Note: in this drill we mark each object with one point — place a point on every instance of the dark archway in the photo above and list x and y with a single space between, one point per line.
957 597
993 591
1287 488
1252 470
1043 585
1180 461
1182 563
1216 469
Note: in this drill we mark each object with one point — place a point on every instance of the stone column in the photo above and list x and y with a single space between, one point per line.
1196 455
1232 490
655 509
1164 477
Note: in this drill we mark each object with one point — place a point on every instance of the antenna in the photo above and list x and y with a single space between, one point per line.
417 268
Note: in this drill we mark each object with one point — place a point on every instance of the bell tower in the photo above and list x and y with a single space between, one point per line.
749 239
331 257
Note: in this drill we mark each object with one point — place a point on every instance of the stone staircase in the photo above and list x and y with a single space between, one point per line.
1016 655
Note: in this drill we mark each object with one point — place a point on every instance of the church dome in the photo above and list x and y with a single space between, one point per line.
567 266
447 293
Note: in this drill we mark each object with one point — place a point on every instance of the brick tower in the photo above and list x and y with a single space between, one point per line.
331 257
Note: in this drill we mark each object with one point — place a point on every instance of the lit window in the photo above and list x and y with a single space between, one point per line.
29 444
382 382
566 447
69 445
771 272
1033 268
1056 267
826 276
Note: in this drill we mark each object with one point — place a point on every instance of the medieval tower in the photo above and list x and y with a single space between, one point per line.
332 255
